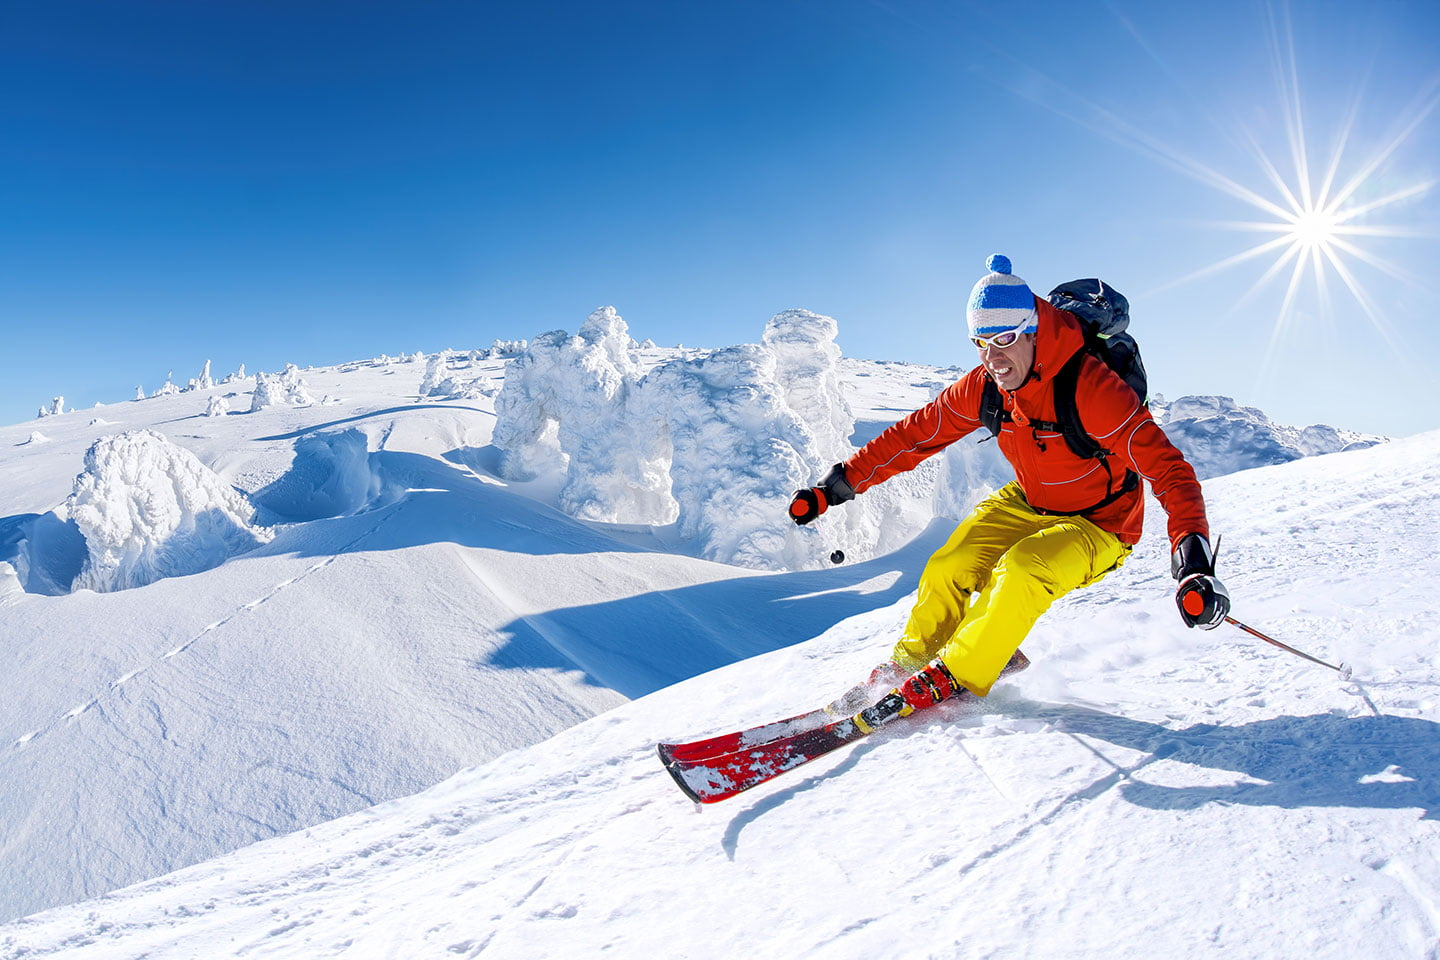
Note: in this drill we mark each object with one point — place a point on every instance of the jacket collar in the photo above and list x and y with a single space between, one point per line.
1058 338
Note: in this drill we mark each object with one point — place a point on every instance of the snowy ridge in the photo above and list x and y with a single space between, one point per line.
1143 790
1219 436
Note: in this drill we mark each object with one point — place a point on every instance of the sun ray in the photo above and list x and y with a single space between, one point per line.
1252 226
1276 178
1118 131
1322 288
1265 278
1363 298
1411 233
1384 153
1214 268
1282 319
1283 62
1384 266
1296 275
1418 189
1346 128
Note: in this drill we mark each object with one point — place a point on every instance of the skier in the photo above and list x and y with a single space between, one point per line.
1064 523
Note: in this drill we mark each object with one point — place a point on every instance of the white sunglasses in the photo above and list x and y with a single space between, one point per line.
1000 340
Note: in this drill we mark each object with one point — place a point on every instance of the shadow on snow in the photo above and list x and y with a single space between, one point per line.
634 645
1322 760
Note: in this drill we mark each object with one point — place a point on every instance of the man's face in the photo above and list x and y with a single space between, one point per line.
1009 366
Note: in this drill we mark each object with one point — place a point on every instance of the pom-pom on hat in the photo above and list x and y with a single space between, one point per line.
1001 301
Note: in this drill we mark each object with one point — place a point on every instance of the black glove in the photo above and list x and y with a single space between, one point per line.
809 503
1202 599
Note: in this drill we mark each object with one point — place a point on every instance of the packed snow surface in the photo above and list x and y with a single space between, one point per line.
1143 790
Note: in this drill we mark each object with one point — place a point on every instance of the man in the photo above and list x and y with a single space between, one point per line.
1064 523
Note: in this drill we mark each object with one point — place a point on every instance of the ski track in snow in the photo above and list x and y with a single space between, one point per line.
1073 803
391 512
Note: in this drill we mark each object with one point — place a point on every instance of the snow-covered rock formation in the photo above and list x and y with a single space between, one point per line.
149 509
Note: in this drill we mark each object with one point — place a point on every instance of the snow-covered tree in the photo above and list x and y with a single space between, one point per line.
149 509
716 441
735 449
807 369
283 388
567 396
436 371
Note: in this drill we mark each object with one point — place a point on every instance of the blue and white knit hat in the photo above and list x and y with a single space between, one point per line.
1000 301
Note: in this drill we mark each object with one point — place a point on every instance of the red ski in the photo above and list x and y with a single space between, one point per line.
840 708
710 779
759 754
718 746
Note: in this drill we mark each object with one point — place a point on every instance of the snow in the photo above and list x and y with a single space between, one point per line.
286 387
149 509
565 400
711 442
432 696
1220 436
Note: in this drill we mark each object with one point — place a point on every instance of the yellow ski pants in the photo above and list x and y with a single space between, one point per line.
1014 562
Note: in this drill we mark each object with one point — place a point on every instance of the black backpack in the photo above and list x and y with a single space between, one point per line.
1104 313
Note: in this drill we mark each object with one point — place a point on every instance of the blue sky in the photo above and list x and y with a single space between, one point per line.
269 182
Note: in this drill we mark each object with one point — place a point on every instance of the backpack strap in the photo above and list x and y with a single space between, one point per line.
1068 424
1067 411
992 408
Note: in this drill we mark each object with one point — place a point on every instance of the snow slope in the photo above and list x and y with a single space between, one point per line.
407 611
412 614
1142 791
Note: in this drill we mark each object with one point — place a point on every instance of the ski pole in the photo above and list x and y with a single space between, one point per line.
1343 670
836 554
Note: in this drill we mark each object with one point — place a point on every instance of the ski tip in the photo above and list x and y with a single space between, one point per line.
666 752
676 775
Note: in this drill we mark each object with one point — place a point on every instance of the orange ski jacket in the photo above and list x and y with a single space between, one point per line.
1054 479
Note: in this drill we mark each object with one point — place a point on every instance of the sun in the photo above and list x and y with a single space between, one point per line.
1319 214
1314 229
1319 224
